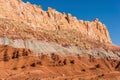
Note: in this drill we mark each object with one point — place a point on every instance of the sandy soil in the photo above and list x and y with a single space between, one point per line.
21 64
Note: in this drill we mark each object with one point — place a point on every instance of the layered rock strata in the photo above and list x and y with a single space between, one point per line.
49 45
37 18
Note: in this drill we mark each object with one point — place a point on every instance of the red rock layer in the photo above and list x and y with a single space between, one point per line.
20 64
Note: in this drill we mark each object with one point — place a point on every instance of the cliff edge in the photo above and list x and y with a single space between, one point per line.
37 18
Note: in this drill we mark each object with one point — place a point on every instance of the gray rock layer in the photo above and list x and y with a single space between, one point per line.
39 47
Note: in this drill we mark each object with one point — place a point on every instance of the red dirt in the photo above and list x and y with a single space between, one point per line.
21 64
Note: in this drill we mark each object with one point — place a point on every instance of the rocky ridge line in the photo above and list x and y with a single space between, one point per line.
37 18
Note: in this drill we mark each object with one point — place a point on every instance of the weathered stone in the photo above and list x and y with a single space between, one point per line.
51 20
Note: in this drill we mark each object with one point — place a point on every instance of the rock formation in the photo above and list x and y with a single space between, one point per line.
49 45
35 17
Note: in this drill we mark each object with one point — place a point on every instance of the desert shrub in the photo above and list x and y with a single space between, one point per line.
5 57
97 66
83 70
15 55
66 79
14 68
23 67
39 62
54 57
59 61
33 65
65 61
101 75
72 62
24 53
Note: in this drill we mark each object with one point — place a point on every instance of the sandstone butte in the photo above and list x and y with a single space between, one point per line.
49 45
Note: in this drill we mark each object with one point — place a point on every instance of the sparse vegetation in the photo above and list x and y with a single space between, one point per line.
97 65
14 68
72 61
23 67
24 53
101 75
39 62
5 57
33 65
15 55
65 61
83 70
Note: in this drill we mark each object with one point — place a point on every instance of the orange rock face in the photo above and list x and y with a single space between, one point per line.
51 20
49 45
21 64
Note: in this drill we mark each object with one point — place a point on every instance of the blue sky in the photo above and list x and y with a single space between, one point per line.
108 12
